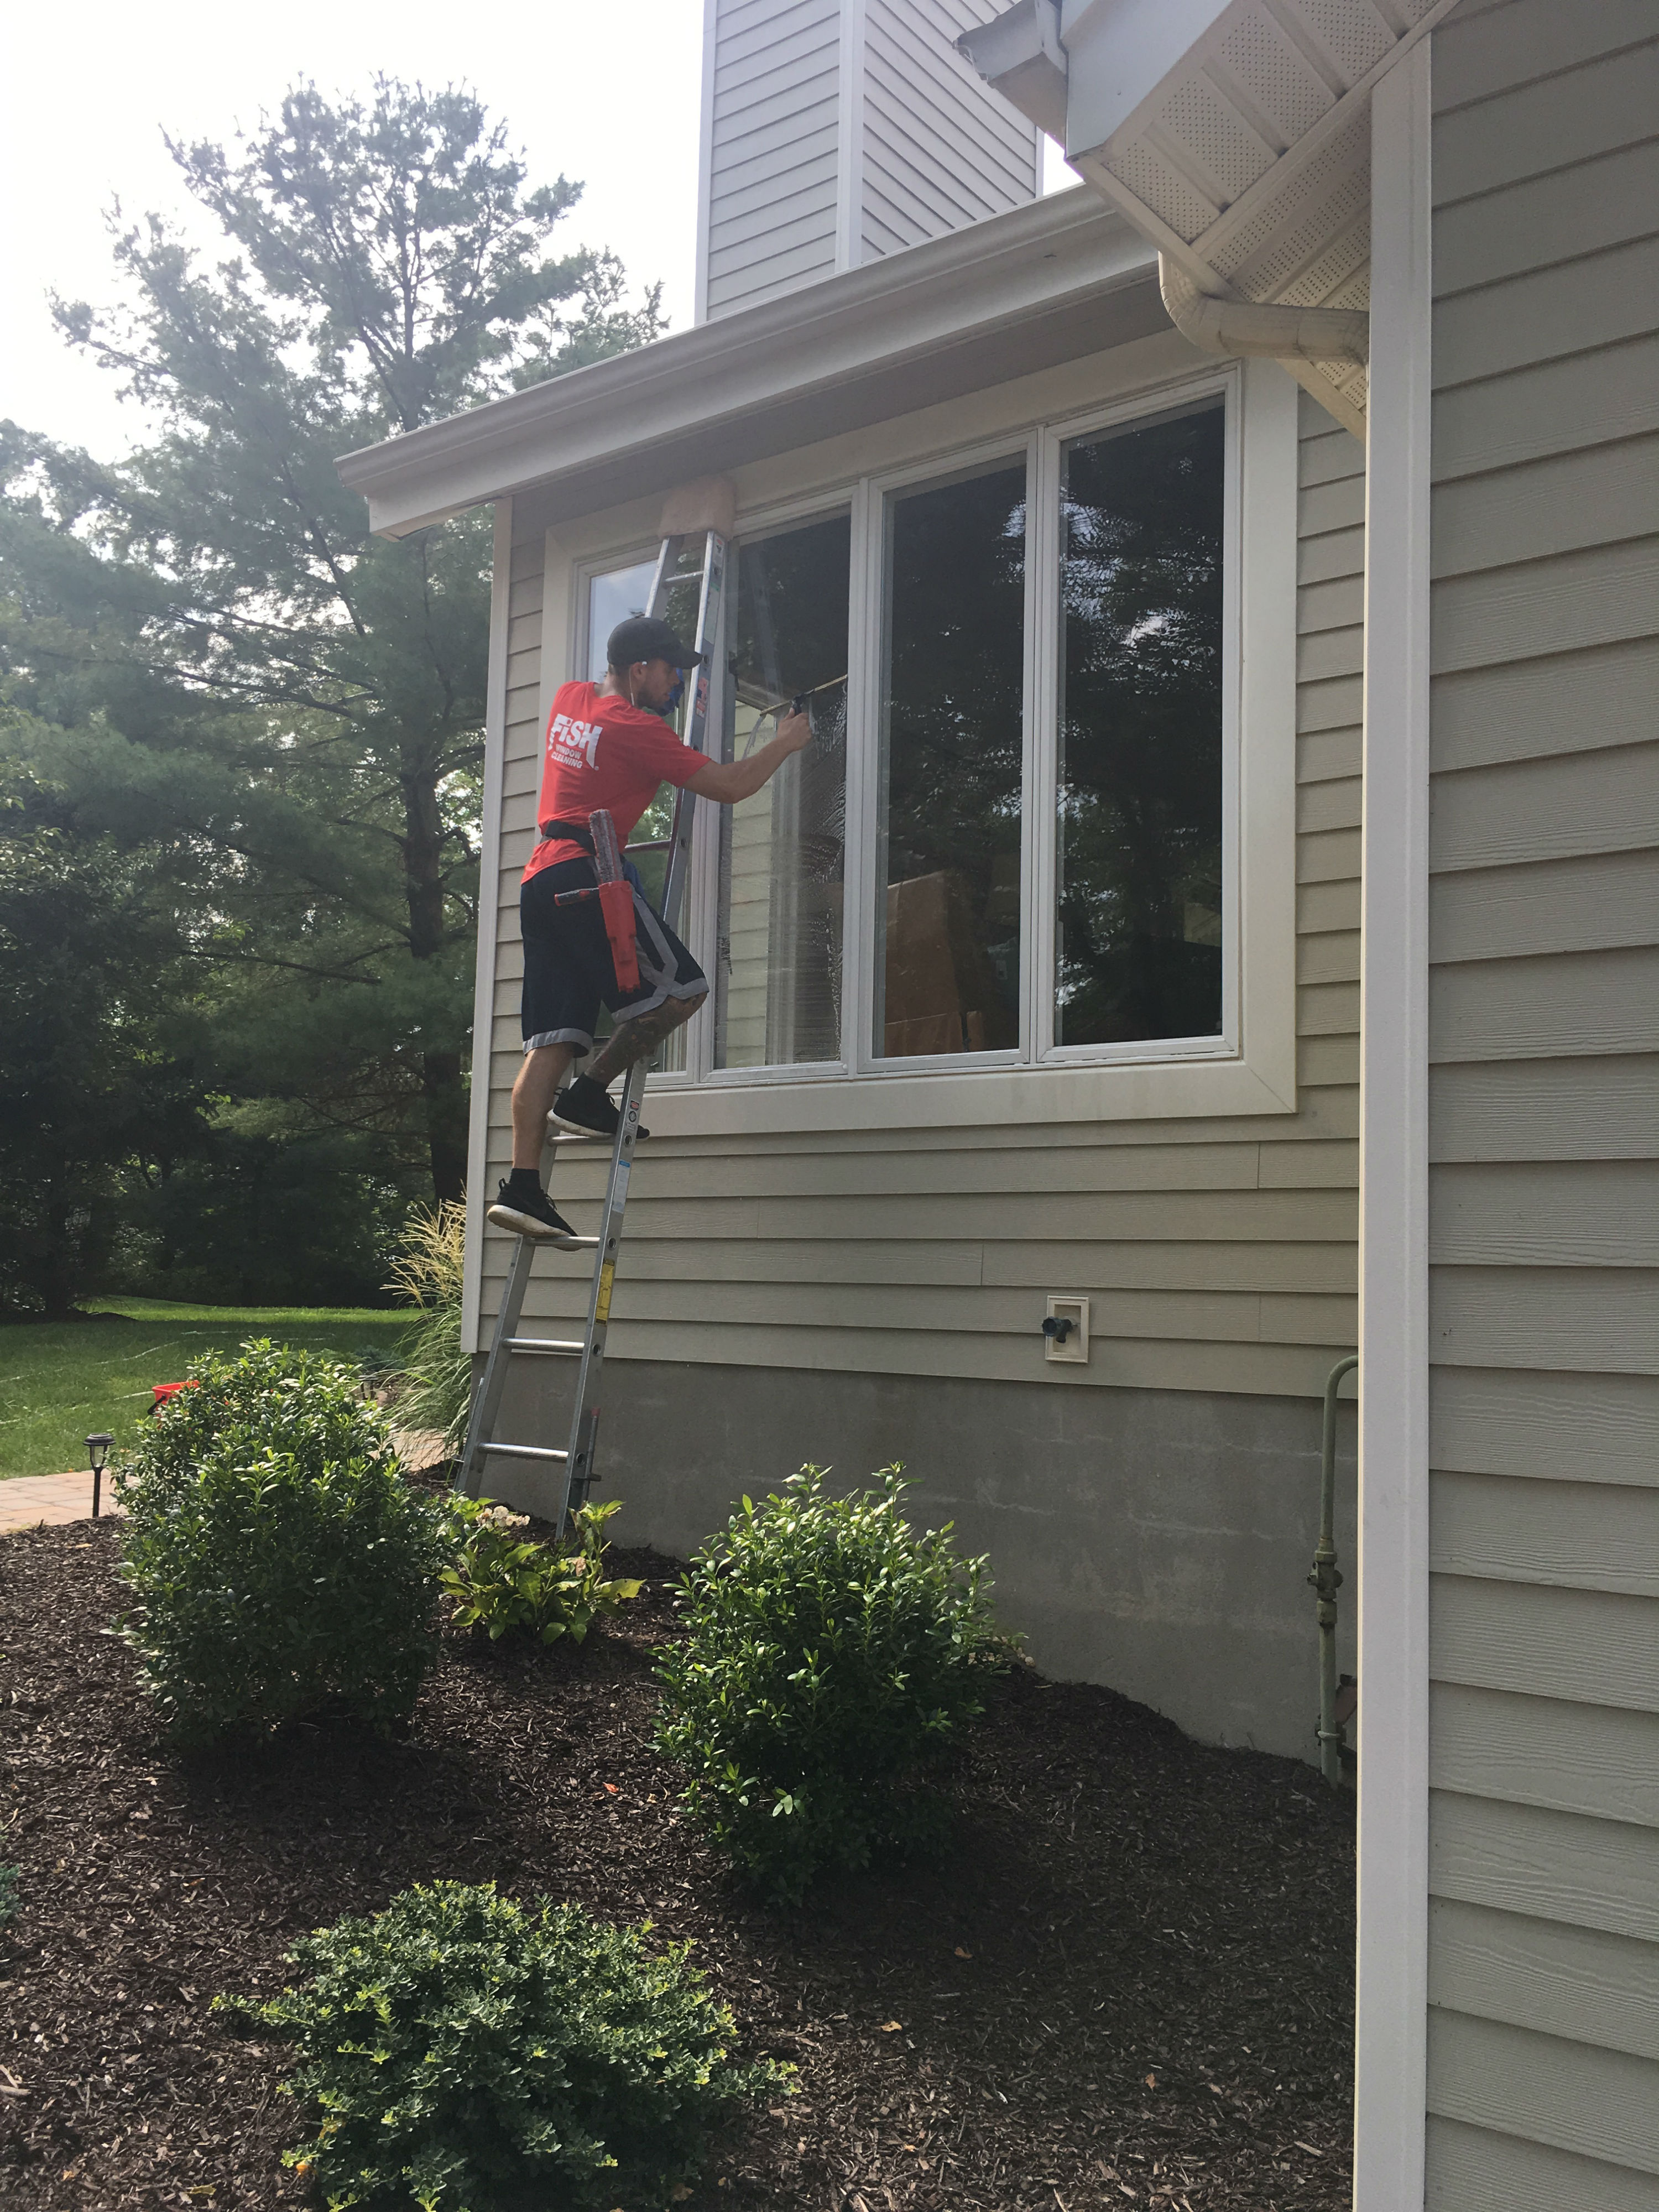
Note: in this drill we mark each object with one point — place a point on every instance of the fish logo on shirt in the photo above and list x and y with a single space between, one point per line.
574 745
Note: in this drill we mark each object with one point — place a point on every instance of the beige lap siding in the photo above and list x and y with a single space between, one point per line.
1543 1118
1219 1255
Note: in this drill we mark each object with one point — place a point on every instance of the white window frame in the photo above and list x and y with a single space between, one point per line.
859 989
1250 1067
1044 753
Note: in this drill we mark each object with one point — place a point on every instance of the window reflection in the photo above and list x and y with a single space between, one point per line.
1138 904
948 916
612 597
778 973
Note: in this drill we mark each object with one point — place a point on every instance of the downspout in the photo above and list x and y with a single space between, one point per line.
1240 326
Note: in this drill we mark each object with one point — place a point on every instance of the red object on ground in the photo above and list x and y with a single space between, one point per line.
163 1391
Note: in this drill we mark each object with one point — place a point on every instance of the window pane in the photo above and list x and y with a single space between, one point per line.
611 599
948 915
778 959
612 596
1138 919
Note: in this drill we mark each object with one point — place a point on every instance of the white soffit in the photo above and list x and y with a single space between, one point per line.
1247 161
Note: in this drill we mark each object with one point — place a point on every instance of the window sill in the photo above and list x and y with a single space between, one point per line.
978 1099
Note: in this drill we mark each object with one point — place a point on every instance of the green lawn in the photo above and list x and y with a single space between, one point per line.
60 1380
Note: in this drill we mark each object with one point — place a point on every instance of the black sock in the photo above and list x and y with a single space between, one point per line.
522 1181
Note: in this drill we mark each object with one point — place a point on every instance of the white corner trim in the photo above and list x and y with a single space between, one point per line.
490 869
1390 2077
705 159
850 138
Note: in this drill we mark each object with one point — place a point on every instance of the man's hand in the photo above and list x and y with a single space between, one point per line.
729 782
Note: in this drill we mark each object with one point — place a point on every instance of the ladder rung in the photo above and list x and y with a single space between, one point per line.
524 1451
549 1347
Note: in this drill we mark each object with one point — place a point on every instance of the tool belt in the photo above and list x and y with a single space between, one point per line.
616 905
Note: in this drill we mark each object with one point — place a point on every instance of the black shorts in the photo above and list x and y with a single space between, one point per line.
568 974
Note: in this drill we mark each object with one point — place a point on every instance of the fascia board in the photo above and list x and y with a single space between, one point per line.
716 385
1118 53
1017 52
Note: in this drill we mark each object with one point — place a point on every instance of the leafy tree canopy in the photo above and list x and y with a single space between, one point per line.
207 660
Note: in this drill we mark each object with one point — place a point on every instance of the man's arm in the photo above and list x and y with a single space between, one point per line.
727 782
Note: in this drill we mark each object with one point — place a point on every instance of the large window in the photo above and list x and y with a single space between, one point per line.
1014 840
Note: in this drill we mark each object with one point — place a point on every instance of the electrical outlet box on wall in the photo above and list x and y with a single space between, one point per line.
1065 1330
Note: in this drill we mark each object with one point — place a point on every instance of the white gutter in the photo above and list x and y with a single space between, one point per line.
1241 326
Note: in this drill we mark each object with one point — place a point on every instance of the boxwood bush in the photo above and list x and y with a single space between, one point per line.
280 1564
465 2054
832 1663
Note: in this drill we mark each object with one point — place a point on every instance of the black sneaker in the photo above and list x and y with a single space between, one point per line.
533 1216
584 1109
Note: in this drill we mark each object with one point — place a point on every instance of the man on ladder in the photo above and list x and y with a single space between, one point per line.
607 751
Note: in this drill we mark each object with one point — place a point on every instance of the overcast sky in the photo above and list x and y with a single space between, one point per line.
607 95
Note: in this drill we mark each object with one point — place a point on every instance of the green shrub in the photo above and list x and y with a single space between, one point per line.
281 1564
469 2055
506 1585
9 1897
832 1661
437 1368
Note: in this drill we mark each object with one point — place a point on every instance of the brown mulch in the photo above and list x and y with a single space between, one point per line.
1129 1979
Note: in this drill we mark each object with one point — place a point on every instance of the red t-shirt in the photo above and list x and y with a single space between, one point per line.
601 752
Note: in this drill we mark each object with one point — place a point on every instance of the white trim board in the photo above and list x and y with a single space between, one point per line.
1391 2012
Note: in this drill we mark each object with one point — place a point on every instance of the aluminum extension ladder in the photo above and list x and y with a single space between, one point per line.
589 1349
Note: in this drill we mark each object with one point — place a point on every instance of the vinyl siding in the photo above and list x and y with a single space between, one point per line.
1544 1113
940 146
1219 1255
836 131
771 149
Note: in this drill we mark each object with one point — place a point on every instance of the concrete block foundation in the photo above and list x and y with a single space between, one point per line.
1155 1541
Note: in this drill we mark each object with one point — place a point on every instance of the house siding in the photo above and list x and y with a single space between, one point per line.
875 1292
1544 1113
836 131
940 146
771 149
1219 1255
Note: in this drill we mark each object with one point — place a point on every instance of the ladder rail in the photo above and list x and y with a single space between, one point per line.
584 1415
487 1401
506 1342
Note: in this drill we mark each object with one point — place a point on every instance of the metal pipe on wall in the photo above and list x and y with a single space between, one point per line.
1326 1582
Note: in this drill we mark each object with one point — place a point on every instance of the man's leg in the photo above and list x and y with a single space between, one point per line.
540 1081
633 1040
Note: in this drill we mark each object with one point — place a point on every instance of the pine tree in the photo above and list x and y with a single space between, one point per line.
210 659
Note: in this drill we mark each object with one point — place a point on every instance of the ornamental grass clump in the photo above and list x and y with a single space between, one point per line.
280 1564
436 1388
832 1663
467 2054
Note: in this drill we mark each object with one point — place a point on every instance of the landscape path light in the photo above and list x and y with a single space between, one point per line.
98 1452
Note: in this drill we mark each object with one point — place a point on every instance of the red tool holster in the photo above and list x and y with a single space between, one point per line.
616 905
613 891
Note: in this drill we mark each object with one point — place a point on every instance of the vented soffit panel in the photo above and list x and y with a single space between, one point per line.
1247 156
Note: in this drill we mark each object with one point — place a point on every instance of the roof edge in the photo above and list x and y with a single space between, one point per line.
1032 259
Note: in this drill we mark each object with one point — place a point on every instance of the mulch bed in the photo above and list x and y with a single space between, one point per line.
1129 1980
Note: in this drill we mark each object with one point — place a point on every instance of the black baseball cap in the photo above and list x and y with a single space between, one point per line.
645 637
